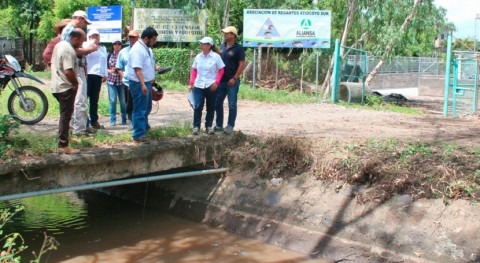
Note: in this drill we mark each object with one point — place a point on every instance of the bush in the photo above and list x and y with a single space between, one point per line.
7 125
180 59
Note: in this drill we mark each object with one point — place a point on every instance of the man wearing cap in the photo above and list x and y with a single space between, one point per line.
233 56
80 115
116 89
96 74
141 74
48 52
122 69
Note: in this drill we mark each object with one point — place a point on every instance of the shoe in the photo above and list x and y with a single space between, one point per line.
68 150
91 130
196 131
142 139
228 129
97 126
124 122
210 131
219 129
113 124
73 139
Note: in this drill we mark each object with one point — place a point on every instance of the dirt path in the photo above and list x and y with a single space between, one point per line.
320 121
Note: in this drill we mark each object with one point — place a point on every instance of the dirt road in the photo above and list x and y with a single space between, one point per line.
321 120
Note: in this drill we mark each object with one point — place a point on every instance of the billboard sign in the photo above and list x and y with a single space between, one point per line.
286 28
107 20
172 25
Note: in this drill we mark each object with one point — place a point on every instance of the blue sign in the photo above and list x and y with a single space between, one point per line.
107 20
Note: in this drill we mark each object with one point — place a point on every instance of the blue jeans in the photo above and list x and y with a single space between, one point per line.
142 106
200 95
113 93
231 92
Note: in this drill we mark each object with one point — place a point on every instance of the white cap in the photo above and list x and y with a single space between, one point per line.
117 39
207 40
92 31
81 13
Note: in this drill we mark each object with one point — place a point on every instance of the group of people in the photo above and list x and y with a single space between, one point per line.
214 77
80 64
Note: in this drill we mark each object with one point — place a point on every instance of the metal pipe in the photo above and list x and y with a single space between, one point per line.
112 183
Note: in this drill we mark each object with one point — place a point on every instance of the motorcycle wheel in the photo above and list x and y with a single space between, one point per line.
36 105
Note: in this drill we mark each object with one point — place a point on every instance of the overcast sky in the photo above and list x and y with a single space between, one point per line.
462 13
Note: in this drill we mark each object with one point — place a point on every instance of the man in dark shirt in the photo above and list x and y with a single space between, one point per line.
233 56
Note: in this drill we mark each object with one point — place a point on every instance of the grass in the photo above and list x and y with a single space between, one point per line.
29 144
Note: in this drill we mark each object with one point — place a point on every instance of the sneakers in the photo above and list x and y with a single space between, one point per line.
219 129
142 139
91 130
228 129
97 126
210 131
68 150
196 131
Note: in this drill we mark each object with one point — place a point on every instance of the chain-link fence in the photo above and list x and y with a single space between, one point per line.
295 69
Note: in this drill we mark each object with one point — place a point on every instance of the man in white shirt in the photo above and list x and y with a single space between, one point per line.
141 73
96 74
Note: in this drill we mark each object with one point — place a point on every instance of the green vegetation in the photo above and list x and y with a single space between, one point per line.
26 143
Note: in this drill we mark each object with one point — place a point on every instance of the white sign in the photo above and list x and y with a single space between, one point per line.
107 20
286 28
172 25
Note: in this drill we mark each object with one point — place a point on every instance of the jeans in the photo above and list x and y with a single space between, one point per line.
80 115
200 95
94 84
142 106
129 101
231 92
113 93
66 100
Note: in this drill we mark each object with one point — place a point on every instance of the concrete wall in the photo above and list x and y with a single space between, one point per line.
326 221
392 81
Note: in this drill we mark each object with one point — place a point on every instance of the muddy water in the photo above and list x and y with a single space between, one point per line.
93 227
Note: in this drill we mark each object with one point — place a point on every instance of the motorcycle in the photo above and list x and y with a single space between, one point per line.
27 104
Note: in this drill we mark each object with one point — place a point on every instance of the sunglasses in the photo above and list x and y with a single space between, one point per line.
132 37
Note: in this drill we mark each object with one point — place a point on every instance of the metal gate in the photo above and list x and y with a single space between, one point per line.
464 84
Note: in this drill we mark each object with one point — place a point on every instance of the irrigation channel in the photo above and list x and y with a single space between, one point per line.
92 226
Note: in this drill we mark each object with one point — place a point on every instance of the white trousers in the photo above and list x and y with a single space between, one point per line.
80 110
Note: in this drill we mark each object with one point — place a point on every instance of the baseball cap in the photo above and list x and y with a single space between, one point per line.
207 40
230 29
92 31
81 13
117 39
133 33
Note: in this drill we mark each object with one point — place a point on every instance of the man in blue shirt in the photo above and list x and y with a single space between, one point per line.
233 56
122 62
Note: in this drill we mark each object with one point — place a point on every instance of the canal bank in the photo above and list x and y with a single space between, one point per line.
277 191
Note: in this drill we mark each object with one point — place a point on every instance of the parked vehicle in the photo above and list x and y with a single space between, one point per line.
28 104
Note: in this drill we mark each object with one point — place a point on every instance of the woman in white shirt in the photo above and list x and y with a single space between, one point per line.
96 74
207 71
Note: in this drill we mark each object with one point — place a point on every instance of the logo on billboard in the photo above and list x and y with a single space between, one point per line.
306 29
268 30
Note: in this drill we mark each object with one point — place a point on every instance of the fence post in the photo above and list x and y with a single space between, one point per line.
254 67
447 75
316 75
336 69
276 71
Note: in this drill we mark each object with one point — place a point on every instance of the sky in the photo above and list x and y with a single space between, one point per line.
462 13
